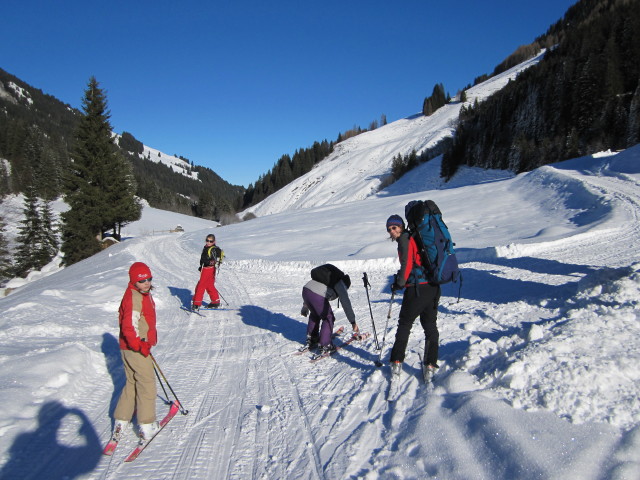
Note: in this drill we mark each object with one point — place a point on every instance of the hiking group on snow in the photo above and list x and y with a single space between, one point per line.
427 260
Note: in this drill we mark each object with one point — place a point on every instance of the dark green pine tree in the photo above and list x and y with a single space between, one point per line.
124 207
26 257
633 125
6 267
427 106
438 96
4 179
47 239
91 183
206 205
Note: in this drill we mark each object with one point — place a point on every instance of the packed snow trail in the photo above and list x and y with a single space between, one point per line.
267 415
258 413
538 375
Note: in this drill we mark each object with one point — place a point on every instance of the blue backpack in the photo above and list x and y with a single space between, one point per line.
434 242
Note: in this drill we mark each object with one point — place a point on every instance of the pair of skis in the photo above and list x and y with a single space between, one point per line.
176 406
355 337
305 348
394 382
203 309
113 443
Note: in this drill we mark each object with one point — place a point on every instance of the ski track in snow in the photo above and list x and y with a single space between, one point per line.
520 393
301 420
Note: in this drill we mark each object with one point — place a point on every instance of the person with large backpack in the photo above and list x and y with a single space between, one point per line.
210 260
327 283
420 298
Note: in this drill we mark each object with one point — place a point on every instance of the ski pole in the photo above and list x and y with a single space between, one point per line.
223 299
168 402
386 326
365 280
218 268
182 410
367 285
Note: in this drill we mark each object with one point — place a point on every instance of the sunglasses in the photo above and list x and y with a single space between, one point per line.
393 228
145 280
210 241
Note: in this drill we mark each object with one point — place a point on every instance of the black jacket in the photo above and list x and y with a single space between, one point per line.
211 256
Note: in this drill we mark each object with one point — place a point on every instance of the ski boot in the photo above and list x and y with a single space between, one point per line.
147 431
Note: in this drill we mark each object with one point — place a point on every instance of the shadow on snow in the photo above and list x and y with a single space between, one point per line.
38 454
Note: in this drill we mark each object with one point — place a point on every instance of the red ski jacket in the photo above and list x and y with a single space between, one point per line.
137 319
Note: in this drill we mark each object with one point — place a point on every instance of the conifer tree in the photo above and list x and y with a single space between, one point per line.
427 106
438 96
633 125
4 178
120 195
6 266
26 258
100 186
47 239
82 225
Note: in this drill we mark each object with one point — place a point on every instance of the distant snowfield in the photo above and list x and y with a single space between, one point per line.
539 372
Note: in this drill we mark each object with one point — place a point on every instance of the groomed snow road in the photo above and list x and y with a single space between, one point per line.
538 375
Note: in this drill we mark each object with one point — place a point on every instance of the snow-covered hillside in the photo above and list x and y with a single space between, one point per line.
538 375
157 222
176 164
360 165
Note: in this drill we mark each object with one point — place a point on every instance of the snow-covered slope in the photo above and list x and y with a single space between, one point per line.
539 358
359 166
176 164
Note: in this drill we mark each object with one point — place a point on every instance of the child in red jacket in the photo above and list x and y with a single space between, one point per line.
137 335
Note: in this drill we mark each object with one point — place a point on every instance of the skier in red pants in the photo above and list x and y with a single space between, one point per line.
210 260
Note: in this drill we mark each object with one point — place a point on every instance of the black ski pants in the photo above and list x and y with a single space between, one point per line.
423 302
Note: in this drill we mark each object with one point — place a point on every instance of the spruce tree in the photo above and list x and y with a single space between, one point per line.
99 185
4 178
438 96
120 195
26 257
633 124
6 266
47 235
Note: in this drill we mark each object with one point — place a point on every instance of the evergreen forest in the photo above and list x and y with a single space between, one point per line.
581 98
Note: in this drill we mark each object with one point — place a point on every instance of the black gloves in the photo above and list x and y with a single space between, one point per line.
394 286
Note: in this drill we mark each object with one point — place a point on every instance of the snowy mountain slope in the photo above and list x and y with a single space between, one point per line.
177 164
359 166
539 357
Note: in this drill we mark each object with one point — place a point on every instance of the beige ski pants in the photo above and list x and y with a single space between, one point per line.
139 391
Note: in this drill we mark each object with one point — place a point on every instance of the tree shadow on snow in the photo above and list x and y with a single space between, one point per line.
38 454
113 359
182 294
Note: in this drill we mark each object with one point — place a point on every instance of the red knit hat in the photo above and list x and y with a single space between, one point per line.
138 271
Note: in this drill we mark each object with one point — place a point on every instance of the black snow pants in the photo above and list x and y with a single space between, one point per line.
423 302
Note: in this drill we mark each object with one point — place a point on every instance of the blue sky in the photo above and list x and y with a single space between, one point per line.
234 85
